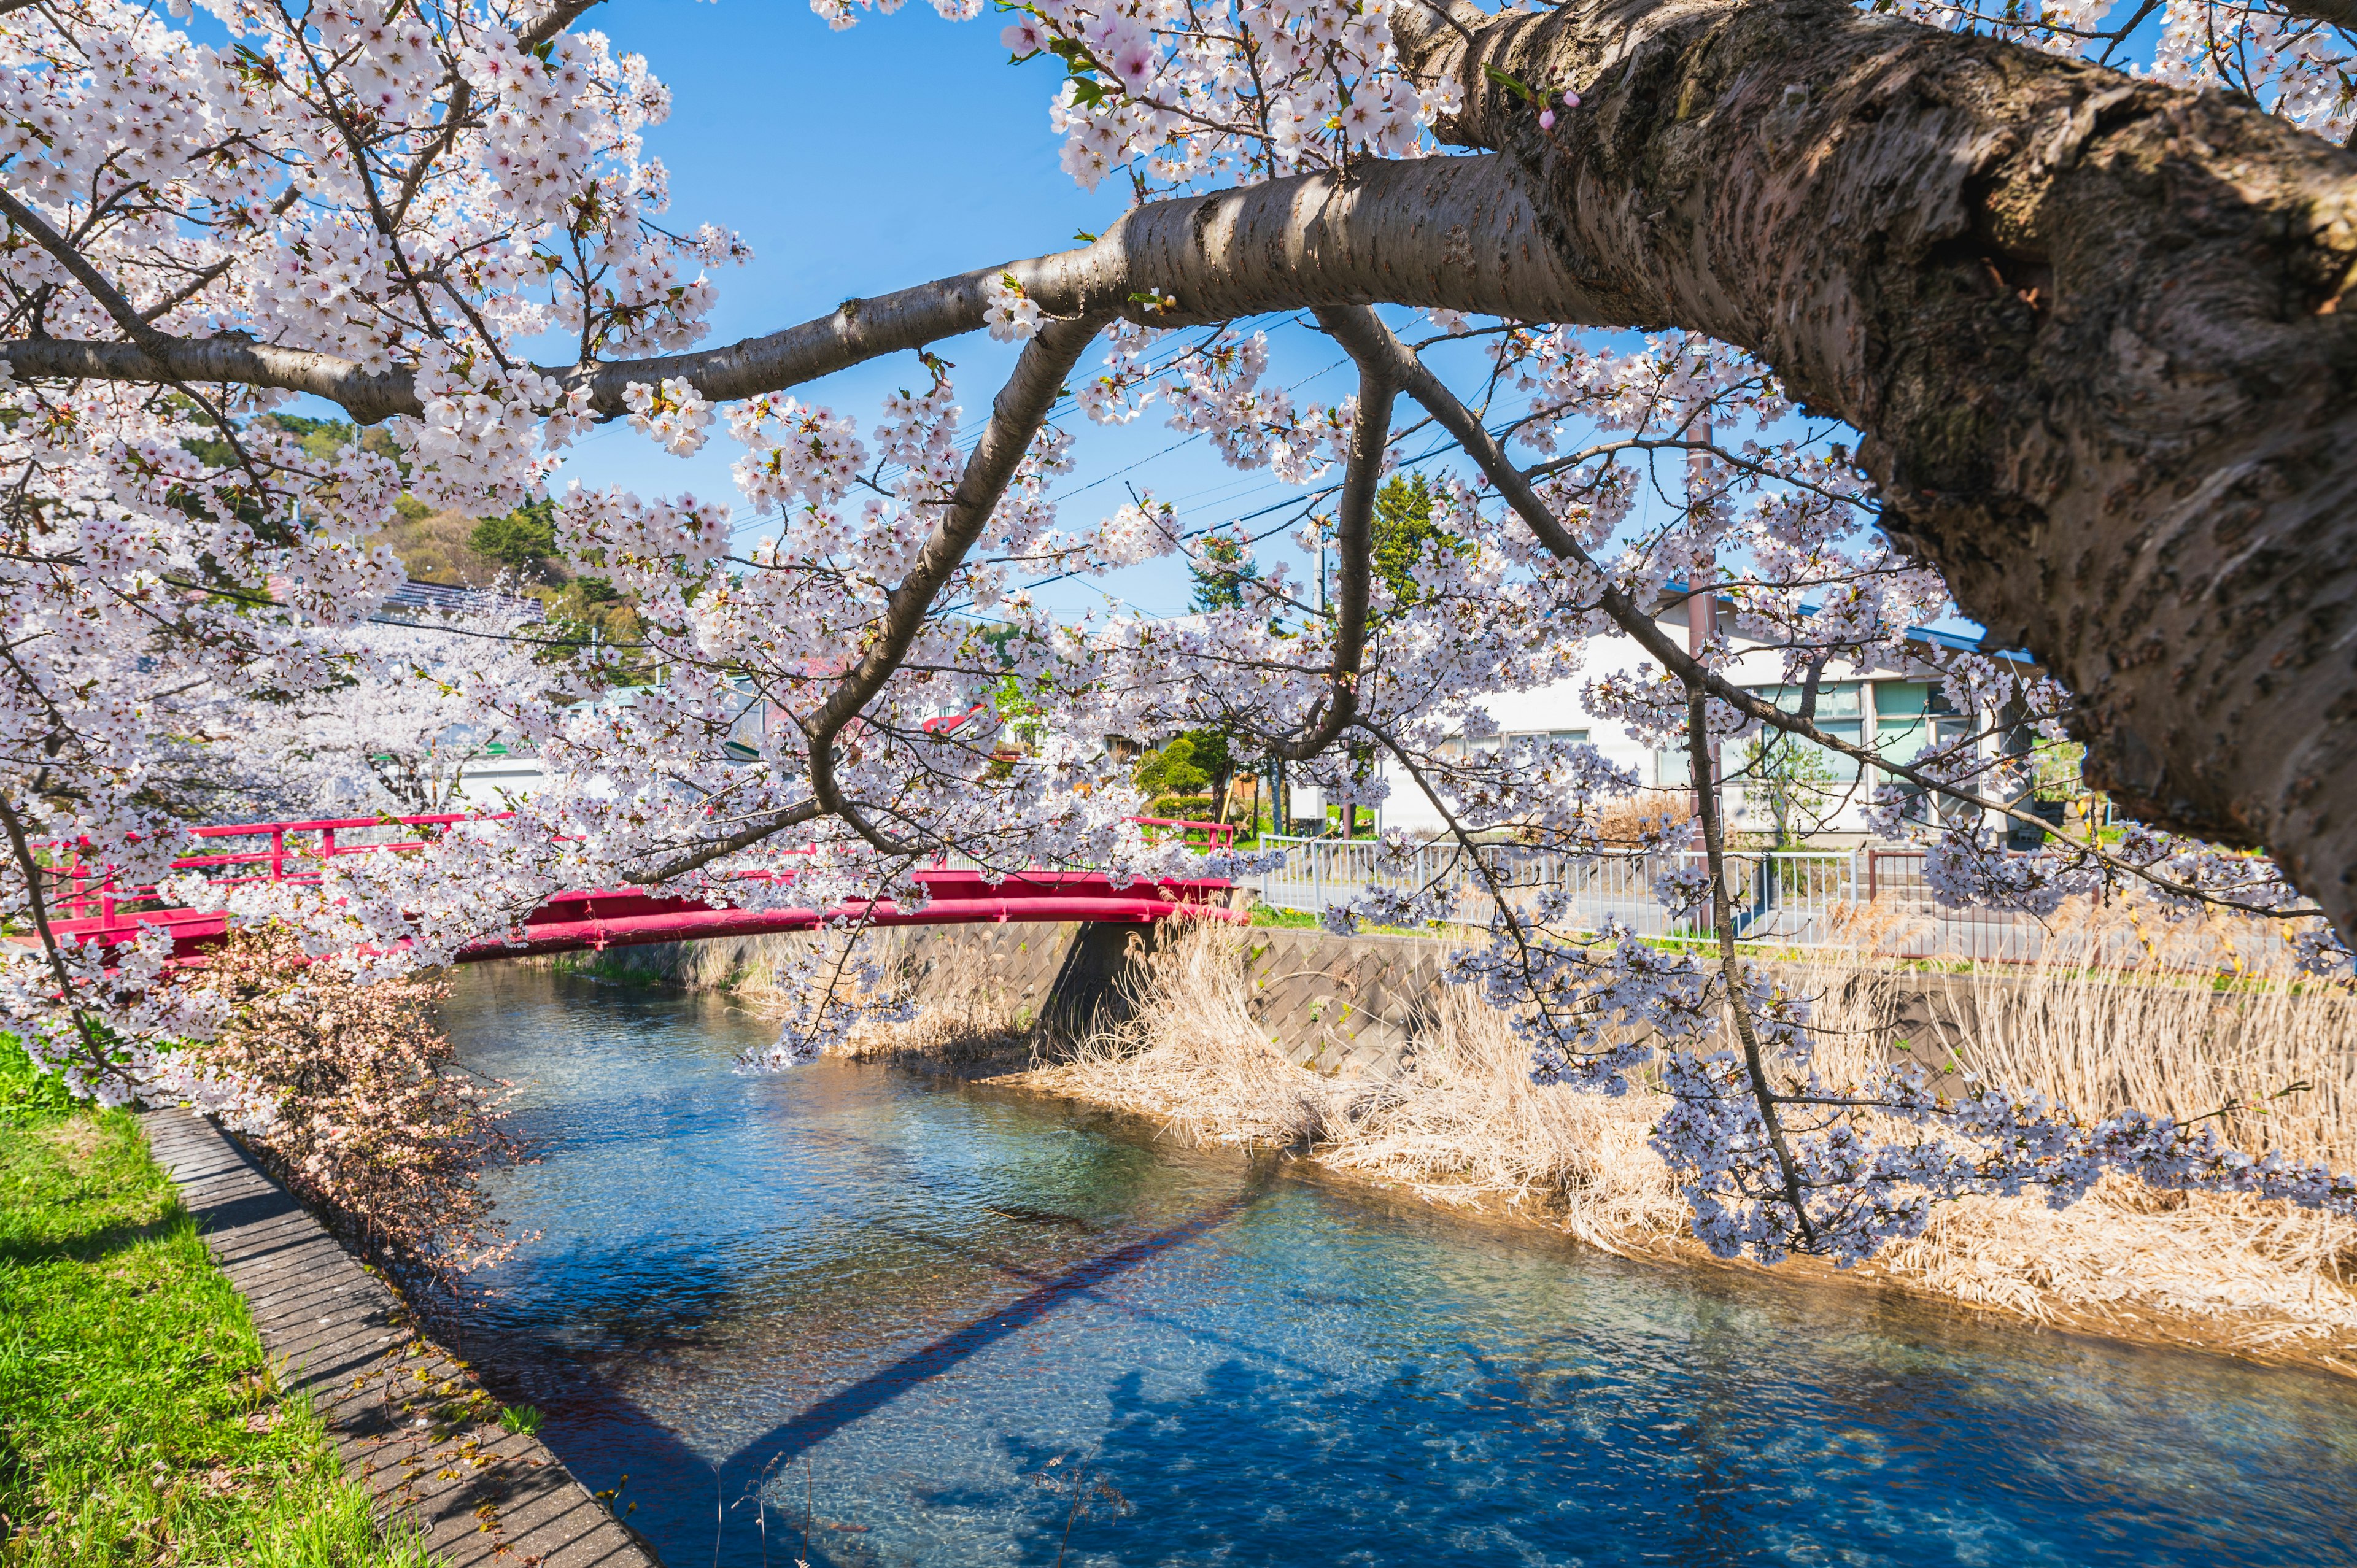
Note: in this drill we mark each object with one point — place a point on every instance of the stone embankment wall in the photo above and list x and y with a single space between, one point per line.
1347 1007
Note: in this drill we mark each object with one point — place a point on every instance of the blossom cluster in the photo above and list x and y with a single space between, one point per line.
2298 66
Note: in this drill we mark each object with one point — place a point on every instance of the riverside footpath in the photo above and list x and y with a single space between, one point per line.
406 1416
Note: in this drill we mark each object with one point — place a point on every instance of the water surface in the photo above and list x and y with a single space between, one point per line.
945 1325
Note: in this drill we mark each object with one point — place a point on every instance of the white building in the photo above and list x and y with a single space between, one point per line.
1898 710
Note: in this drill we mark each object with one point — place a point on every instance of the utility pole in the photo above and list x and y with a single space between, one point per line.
1702 597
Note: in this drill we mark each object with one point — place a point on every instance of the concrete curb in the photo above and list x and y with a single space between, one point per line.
397 1406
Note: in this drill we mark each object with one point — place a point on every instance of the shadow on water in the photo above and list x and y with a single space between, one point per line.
791 1439
946 1325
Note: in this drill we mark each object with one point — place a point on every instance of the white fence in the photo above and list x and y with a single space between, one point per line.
1801 899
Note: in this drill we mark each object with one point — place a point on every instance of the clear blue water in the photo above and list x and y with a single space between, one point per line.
913 1314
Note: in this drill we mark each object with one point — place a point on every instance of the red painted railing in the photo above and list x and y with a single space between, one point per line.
97 909
1194 835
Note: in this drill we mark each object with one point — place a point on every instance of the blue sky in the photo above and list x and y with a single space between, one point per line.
854 163
904 149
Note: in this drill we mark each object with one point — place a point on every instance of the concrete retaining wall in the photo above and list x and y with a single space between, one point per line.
1346 1006
1340 1006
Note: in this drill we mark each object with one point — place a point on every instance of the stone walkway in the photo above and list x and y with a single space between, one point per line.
404 1414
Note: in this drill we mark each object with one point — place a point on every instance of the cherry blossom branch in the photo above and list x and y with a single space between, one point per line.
560 17
1354 542
22 849
1453 232
1369 335
745 838
70 256
1722 912
1016 416
1515 928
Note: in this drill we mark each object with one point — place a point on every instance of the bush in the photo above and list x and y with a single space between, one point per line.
27 1093
1191 808
1173 770
358 1103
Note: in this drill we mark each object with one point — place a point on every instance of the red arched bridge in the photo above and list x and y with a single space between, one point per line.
88 904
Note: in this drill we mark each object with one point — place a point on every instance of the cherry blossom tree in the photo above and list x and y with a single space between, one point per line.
2081 326
421 703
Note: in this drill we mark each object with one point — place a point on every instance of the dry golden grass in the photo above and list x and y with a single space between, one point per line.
1634 819
1466 1124
1192 1056
2100 1025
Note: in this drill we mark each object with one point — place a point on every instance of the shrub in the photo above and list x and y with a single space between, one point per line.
357 1102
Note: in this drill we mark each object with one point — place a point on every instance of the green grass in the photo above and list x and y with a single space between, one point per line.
139 1422
1303 920
615 970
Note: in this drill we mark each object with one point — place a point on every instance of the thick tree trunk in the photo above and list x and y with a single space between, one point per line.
2096 334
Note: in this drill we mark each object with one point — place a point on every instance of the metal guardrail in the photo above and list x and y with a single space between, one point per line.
1874 896
458 598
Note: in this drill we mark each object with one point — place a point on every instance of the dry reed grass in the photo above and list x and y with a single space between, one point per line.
2193 1022
1465 1124
1635 819
1191 1056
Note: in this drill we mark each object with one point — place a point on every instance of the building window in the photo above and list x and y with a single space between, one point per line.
1839 713
1912 714
1490 744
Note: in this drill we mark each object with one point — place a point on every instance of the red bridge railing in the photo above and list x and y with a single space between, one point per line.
97 908
1194 835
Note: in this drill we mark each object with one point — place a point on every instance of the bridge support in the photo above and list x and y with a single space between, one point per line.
1096 986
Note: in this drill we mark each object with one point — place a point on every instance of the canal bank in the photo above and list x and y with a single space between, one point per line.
408 1419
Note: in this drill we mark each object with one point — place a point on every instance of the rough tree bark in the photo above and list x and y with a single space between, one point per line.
2094 332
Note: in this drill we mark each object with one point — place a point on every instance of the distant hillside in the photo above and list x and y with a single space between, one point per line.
439 547
433 545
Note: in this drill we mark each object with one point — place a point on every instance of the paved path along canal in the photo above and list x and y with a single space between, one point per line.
941 1314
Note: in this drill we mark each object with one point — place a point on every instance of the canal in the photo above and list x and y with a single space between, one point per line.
915 1322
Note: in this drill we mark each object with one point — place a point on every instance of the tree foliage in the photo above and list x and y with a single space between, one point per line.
1221 569
523 539
1405 533
1193 764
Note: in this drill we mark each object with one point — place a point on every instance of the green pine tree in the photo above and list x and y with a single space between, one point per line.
1403 529
1221 574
